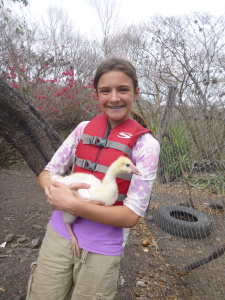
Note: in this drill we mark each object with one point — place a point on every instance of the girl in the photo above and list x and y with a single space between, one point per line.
101 231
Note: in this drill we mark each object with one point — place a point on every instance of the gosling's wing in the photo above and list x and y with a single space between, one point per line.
76 177
107 193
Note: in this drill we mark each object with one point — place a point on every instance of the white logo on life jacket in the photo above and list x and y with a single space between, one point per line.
125 135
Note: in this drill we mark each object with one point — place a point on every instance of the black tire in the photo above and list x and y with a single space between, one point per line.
183 221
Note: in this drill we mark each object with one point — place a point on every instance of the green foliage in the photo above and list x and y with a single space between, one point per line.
174 155
219 182
214 182
153 128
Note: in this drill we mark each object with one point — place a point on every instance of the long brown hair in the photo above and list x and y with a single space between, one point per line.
120 64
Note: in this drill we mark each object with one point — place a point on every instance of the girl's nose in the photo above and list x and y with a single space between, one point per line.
114 96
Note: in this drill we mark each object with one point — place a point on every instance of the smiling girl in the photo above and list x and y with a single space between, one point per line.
101 231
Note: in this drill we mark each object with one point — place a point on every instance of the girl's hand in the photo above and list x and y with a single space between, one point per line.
74 188
63 197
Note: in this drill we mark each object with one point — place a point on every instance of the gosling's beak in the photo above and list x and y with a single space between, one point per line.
135 171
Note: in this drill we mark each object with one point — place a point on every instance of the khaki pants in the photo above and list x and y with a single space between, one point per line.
57 271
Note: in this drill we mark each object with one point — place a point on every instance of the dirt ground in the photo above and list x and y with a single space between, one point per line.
151 272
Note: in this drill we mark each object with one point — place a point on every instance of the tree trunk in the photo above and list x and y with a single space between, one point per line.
23 126
164 123
166 114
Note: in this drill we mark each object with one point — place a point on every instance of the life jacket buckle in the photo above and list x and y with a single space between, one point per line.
98 141
88 165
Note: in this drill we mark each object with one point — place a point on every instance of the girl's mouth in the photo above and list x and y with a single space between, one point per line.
115 107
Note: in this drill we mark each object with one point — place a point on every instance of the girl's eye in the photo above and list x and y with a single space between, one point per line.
104 91
123 90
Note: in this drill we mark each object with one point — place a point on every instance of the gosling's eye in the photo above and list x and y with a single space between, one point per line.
128 165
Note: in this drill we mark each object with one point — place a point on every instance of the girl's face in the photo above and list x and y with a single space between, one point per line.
116 95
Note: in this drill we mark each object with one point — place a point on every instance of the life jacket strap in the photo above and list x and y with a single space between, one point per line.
121 197
90 165
101 142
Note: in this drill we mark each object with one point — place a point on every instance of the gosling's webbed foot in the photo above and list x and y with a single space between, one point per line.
75 248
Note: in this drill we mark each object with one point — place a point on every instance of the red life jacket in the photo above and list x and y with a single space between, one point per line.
99 147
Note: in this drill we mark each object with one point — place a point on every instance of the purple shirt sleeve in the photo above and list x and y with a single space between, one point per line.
64 156
145 155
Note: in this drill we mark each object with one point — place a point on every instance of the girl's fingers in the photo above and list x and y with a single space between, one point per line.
79 185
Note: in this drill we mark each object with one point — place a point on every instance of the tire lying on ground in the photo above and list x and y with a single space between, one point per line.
183 221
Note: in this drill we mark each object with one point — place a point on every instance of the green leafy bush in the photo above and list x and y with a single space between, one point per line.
174 155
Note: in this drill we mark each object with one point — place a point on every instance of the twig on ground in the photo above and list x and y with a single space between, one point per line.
32 217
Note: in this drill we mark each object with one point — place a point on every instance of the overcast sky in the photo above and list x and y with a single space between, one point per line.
84 16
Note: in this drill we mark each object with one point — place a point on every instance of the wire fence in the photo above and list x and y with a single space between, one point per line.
186 213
